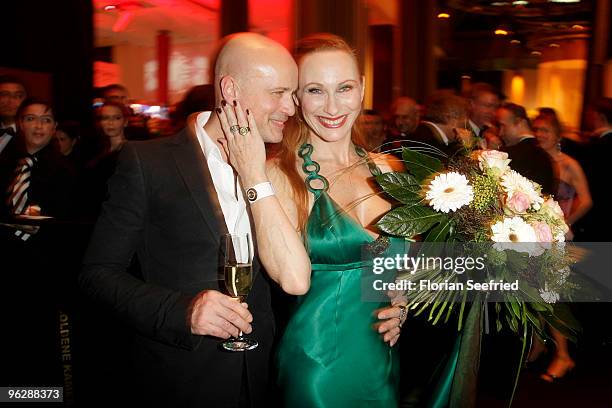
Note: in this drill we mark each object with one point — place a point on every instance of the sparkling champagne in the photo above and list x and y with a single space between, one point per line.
238 279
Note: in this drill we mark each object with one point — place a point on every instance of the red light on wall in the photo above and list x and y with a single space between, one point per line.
123 21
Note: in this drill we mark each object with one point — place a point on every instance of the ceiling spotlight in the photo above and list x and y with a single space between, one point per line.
564 1
466 77
110 7
577 27
443 16
500 3
515 41
554 45
536 53
520 3
501 31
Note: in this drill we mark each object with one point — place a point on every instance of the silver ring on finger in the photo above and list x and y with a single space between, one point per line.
234 128
402 314
243 130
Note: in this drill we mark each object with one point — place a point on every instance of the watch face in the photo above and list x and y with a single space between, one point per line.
251 194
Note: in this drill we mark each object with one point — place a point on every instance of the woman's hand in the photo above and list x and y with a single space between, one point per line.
392 318
243 144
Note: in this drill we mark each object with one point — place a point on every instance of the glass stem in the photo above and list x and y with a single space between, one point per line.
240 299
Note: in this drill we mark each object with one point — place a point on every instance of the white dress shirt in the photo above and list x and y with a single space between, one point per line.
225 180
441 134
6 138
481 141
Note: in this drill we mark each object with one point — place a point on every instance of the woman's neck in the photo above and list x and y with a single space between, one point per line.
554 153
340 151
116 142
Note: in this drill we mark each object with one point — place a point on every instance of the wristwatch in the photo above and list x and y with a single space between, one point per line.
259 191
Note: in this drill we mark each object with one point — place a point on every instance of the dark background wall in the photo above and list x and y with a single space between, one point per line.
54 38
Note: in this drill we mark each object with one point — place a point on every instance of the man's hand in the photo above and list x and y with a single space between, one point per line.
219 315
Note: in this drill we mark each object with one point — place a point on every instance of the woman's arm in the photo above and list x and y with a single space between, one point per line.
279 245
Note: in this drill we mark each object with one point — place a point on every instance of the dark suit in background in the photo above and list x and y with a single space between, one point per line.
35 278
164 208
597 222
52 180
531 161
427 133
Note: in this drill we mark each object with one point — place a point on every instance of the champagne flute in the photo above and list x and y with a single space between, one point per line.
238 278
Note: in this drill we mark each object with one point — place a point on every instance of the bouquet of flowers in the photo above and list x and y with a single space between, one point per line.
479 204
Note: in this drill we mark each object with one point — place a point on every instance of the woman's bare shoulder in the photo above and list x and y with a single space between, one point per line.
387 162
572 164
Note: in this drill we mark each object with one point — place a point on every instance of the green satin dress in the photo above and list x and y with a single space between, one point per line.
330 354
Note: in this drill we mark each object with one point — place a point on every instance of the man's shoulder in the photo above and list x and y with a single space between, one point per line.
527 145
159 145
528 150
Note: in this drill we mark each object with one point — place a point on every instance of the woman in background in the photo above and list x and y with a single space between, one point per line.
575 200
111 122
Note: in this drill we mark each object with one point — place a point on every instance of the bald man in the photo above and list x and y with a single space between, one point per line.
405 115
170 202
405 119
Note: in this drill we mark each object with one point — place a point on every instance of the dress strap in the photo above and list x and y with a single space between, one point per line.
311 168
374 169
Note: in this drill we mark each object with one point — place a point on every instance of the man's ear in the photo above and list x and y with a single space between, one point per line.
229 88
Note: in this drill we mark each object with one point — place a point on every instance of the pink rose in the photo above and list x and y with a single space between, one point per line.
519 202
543 232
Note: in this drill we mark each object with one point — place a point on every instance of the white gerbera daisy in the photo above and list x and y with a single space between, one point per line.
516 234
449 191
513 182
513 229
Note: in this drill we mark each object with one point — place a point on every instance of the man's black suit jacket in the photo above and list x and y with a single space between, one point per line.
597 222
163 207
428 134
531 161
52 180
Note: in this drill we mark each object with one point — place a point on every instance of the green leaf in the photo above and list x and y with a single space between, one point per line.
419 164
534 320
401 186
408 221
516 308
440 232
512 323
452 302
463 299
517 261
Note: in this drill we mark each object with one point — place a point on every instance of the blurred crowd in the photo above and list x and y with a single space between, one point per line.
59 168
51 167
568 163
